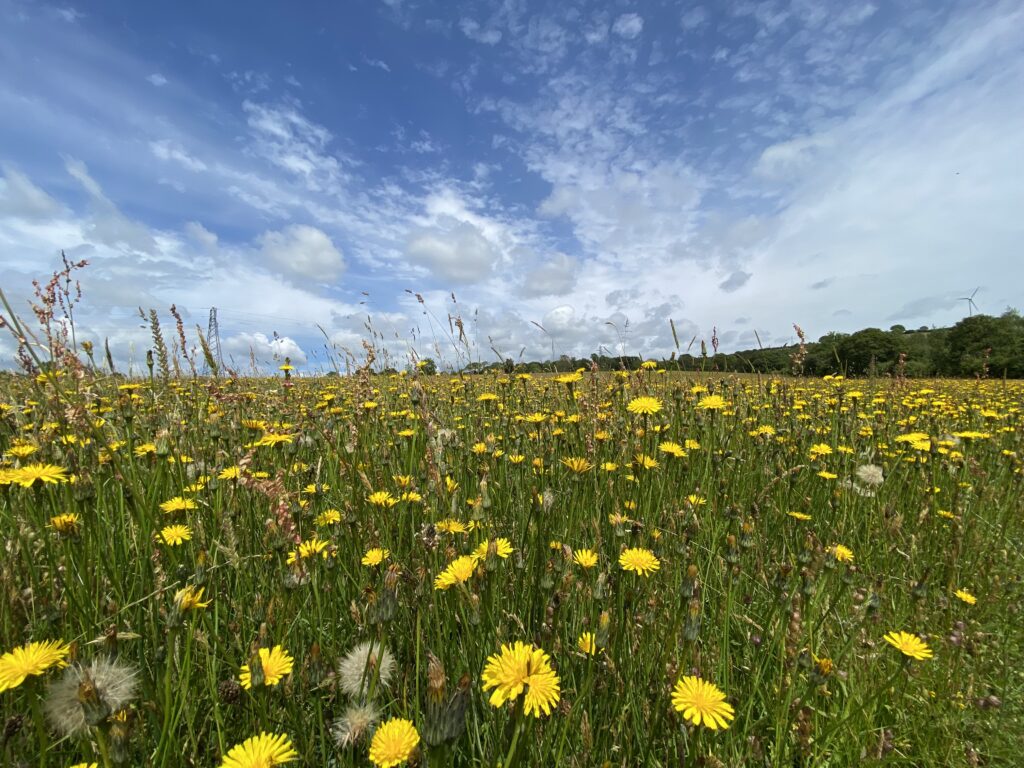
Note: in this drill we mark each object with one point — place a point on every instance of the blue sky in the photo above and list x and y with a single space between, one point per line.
592 168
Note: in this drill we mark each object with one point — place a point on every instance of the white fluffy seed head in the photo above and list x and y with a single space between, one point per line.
357 670
90 692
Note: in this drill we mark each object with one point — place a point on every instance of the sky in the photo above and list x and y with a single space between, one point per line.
565 177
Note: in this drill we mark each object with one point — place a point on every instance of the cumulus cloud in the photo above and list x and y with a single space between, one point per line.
735 281
456 251
264 349
628 25
555 276
301 251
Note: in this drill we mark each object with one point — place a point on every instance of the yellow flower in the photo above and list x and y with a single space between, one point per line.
375 556
696 500
841 553
702 703
585 558
827 475
966 596
520 668
263 751
712 403
909 645
309 548
229 473
66 523
393 743
672 449
458 571
328 517
577 465
639 560
382 499
645 406
178 504
189 598
276 663
45 473
799 516
173 535
31 659
501 547
587 644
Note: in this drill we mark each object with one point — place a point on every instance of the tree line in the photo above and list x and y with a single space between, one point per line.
980 345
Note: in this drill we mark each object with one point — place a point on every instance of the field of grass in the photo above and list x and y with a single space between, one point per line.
366 546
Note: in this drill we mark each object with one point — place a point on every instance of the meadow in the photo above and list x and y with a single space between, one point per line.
649 568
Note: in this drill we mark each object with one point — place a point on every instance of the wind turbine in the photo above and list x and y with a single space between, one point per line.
971 306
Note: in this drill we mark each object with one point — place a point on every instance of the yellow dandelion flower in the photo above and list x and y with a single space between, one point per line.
393 743
173 535
375 557
190 598
276 663
712 403
639 560
263 751
841 553
522 668
585 558
31 659
587 644
966 596
909 645
178 504
702 703
644 406
458 571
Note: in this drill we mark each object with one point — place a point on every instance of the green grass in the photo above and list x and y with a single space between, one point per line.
768 600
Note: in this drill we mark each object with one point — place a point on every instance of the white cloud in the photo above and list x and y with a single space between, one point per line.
264 349
472 29
628 25
454 251
170 151
302 251
556 276
20 198
157 79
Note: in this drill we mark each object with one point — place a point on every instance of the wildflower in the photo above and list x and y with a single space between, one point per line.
173 535
501 547
799 515
870 474
702 703
310 548
31 659
569 378
87 695
276 663
639 560
520 668
66 523
909 645
375 556
271 439
382 499
827 475
645 406
841 553
672 449
587 644
393 743
27 475
609 466
577 465
966 596
229 473
820 449
712 403
585 558
328 517
362 665
263 751
696 500
644 461
178 504
189 598
457 572
357 721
